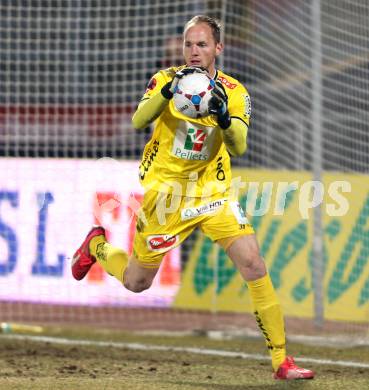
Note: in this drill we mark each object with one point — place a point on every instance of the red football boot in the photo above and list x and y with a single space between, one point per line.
289 370
82 260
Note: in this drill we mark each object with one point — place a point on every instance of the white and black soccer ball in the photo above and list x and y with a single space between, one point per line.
192 95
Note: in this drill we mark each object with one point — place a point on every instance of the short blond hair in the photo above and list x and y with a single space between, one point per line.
214 24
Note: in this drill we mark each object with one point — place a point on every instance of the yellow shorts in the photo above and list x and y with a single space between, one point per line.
164 221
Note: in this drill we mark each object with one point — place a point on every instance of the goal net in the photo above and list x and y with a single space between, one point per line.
72 73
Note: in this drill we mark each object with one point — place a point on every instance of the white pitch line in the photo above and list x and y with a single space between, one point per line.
198 351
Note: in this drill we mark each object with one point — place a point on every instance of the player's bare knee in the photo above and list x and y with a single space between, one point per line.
137 286
250 258
253 264
259 269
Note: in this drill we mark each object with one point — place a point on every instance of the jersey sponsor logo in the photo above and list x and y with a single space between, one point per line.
195 139
239 213
148 159
247 105
188 155
208 208
162 242
227 83
192 143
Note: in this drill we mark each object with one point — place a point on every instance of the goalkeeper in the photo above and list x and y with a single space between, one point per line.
180 161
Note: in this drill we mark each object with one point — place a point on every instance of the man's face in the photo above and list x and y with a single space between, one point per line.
200 48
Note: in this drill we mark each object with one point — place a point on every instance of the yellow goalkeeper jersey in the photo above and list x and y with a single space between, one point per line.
190 152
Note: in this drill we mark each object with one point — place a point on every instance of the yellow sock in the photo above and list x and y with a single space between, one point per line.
113 260
269 317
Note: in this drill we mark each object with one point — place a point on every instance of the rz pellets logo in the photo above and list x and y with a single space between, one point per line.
195 139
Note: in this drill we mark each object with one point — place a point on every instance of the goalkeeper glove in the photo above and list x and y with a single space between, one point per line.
170 88
218 105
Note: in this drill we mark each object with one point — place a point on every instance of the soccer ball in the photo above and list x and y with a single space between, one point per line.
192 95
